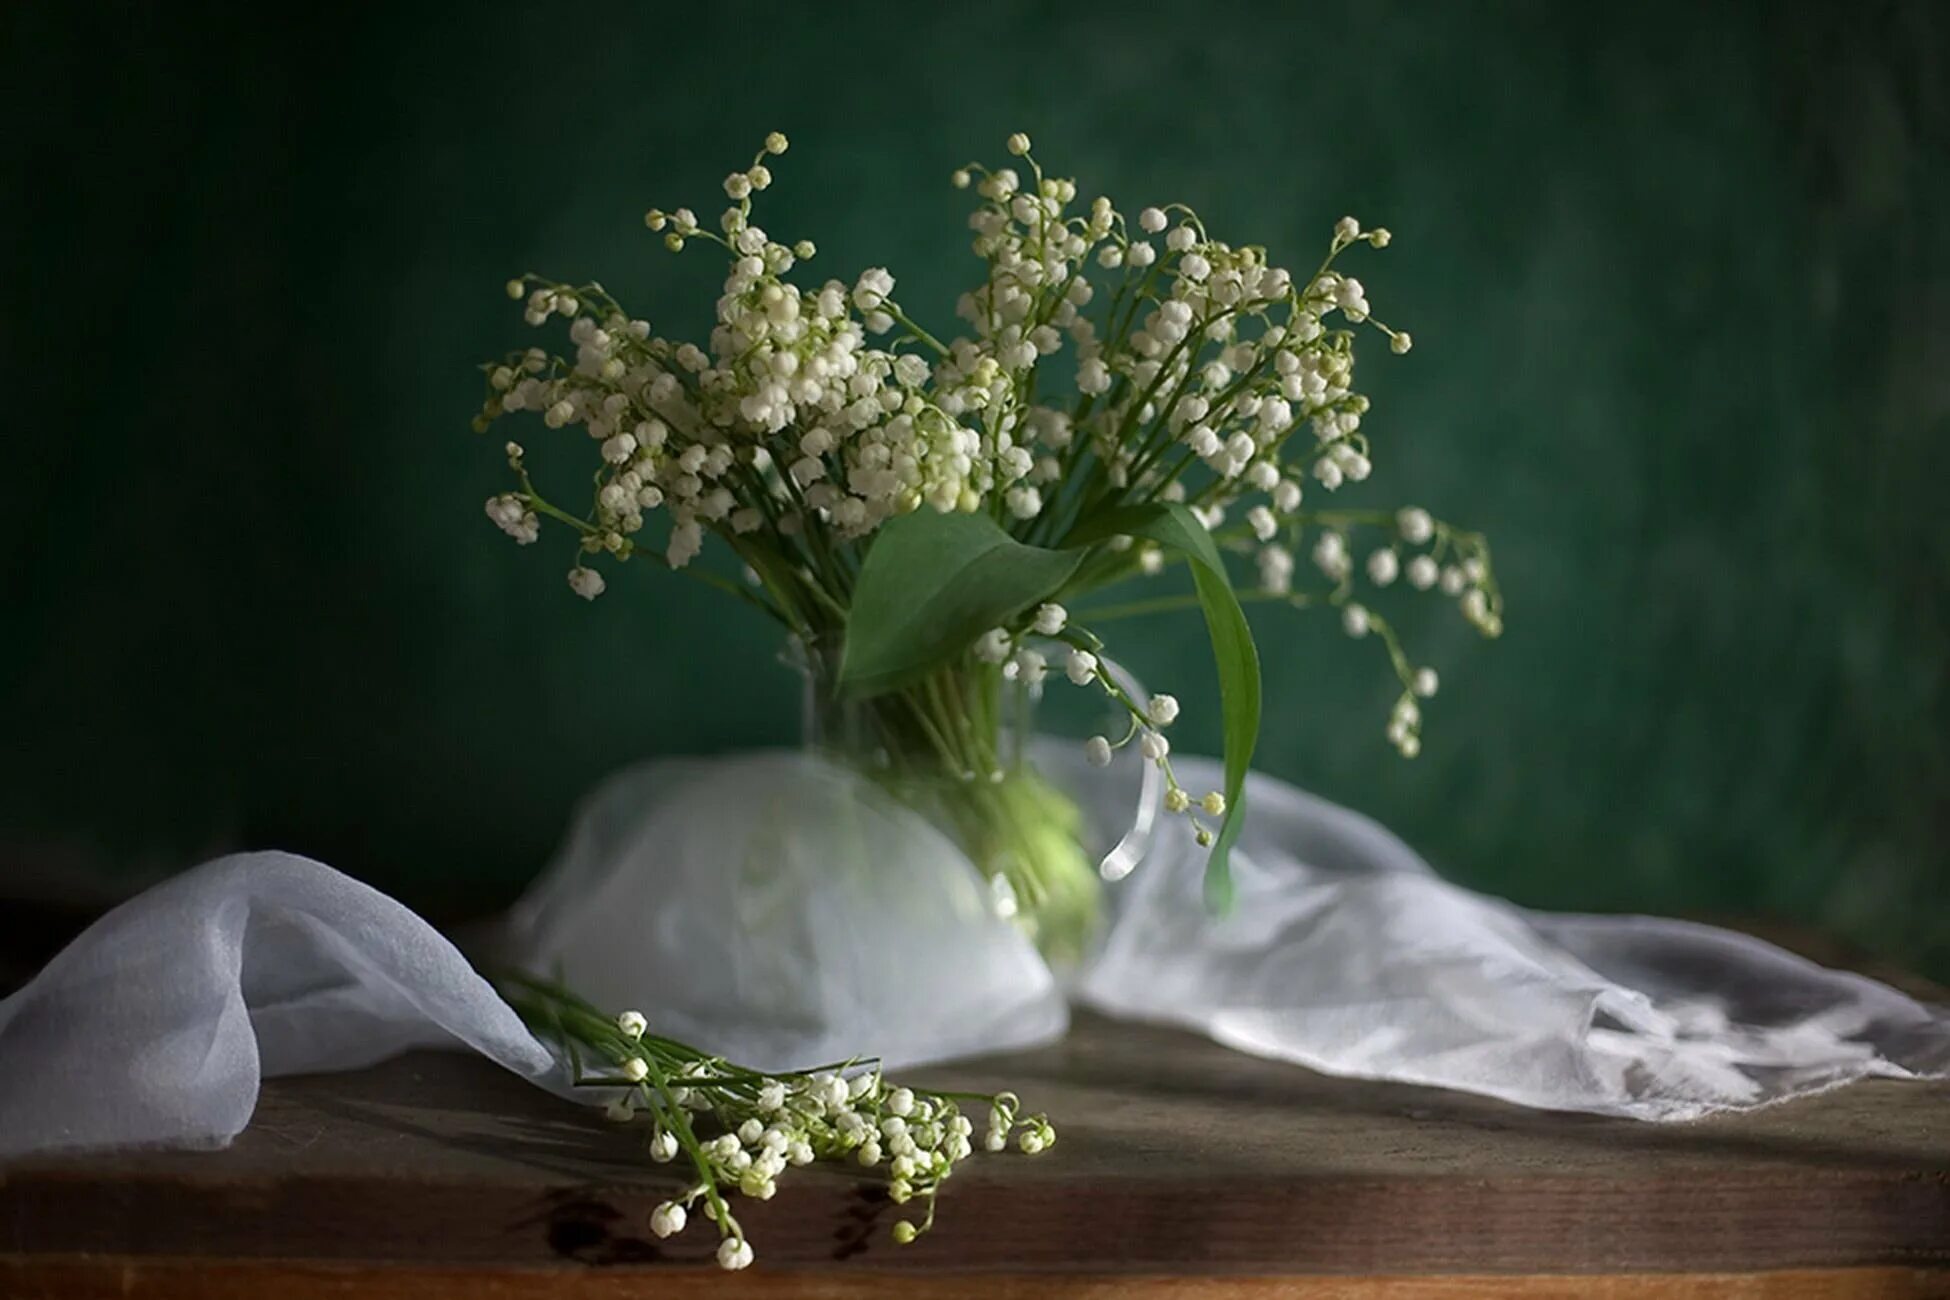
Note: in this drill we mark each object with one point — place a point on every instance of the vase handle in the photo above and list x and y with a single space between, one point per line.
1136 840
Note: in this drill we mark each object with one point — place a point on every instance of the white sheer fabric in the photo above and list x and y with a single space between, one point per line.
1347 954
154 1026
783 911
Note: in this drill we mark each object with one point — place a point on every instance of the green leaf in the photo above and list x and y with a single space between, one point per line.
931 584
1233 654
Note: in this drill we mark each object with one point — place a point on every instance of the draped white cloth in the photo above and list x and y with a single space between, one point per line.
154 1026
1347 954
785 912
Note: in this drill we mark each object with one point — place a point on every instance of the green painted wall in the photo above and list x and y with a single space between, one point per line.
1679 279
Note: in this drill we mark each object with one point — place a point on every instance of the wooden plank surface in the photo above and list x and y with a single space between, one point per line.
1182 1167
62 1279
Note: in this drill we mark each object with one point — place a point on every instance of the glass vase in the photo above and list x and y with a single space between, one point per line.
955 747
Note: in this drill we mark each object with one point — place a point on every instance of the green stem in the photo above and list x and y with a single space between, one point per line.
1167 604
888 306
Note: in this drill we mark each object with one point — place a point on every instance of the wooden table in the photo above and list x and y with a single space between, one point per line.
1182 1169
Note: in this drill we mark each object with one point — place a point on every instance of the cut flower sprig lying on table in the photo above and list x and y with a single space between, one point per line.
742 1130
1127 395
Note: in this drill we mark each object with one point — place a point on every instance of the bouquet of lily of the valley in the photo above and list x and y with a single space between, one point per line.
929 519
738 1131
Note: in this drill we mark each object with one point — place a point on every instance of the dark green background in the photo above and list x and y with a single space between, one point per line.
1679 279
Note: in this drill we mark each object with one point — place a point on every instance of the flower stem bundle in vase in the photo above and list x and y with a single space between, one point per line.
929 521
952 745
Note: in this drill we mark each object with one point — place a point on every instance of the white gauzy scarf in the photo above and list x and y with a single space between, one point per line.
784 911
